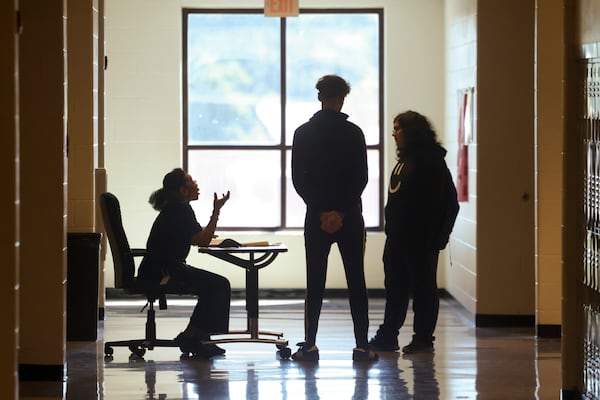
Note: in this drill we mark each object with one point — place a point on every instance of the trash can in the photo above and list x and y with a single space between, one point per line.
83 258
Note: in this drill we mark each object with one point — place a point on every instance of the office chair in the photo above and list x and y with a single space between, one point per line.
124 266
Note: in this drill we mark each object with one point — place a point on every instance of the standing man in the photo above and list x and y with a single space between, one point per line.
329 172
419 216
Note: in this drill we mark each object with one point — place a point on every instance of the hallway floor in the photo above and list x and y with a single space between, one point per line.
469 362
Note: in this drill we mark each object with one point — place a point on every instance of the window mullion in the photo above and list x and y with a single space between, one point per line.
282 68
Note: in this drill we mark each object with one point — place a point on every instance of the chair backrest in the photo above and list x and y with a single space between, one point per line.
122 256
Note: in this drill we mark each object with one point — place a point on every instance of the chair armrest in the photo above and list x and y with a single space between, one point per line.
138 252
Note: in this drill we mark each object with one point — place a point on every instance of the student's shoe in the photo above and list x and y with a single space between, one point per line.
418 347
360 354
192 345
379 343
184 339
306 354
215 350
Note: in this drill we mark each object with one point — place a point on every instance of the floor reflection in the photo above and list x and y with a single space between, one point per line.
223 379
469 364
425 384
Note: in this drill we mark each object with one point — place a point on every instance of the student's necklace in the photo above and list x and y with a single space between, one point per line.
395 180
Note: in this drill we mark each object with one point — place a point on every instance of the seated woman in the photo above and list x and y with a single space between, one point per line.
173 232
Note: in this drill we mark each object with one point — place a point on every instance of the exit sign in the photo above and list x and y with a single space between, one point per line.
281 8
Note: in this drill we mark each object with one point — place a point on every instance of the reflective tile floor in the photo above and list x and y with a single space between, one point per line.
469 362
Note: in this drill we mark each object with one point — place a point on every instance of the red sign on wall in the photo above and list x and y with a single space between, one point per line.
281 8
465 137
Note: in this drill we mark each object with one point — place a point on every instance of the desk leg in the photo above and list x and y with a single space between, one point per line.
252 298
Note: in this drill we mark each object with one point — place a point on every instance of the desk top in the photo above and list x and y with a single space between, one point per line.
273 248
252 258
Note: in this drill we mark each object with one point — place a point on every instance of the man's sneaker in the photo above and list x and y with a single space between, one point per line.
379 344
360 354
418 347
306 354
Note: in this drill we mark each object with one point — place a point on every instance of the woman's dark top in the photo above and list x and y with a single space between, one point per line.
170 239
421 206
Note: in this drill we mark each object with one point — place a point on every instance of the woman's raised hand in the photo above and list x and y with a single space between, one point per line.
219 202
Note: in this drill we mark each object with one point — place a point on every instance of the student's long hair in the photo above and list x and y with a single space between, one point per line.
169 192
419 135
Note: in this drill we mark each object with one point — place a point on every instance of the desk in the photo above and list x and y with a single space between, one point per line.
252 259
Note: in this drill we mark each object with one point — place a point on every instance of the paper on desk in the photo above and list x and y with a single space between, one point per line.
260 243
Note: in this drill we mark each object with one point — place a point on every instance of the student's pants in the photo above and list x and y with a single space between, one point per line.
351 241
211 313
409 271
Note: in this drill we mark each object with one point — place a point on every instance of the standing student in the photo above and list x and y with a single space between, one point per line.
174 231
329 172
419 216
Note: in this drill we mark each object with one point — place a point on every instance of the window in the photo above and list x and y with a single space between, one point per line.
249 82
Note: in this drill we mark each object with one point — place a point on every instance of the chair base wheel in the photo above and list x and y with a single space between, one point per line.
137 351
284 353
108 351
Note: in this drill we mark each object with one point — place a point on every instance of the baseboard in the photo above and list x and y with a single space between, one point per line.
37 372
113 294
343 293
375 293
498 321
505 321
570 395
549 331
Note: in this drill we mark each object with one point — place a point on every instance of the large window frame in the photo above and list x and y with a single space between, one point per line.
284 146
